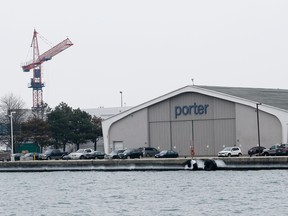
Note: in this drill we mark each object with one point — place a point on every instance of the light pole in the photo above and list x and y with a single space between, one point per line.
11 124
121 99
258 127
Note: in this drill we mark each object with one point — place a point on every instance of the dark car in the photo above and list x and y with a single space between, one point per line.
282 150
149 151
95 155
255 150
167 154
131 153
17 156
271 151
52 154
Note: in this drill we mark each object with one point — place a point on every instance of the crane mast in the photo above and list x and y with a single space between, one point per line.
36 82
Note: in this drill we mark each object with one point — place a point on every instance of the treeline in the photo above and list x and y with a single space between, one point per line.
48 127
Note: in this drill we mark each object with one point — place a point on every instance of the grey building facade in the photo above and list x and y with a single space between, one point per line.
205 119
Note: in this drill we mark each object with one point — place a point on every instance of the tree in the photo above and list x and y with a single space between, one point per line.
75 126
36 130
41 113
60 124
81 124
9 103
96 132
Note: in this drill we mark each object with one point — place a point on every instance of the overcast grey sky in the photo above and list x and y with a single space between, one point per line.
143 48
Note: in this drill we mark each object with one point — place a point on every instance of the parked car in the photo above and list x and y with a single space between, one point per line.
283 150
30 156
271 151
230 152
131 153
95 155
17 156
149 151
5 155
167 154
114 154
255 150
66 157
79 154
52 154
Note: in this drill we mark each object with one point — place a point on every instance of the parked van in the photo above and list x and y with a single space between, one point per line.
5 156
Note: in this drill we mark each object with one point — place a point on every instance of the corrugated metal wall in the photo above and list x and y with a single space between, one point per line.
225 134
182 137
179 123
247 131
204 137
210 136
159 112
132 131
160 136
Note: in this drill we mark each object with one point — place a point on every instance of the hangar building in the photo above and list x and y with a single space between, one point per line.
203 118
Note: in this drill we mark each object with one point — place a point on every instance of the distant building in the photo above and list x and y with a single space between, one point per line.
105 113
203 118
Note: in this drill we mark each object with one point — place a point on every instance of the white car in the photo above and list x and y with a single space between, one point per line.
230 151
79 154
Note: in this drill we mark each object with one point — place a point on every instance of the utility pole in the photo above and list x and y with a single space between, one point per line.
11 124
121 99
258 127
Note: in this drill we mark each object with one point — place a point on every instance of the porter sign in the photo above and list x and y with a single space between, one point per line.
194 109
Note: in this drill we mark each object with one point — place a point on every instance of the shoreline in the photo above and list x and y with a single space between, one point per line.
148 164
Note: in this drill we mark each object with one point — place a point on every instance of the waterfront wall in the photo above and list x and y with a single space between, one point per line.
239 163
146 164
97 165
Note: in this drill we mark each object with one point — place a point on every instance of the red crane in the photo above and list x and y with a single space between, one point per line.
36 82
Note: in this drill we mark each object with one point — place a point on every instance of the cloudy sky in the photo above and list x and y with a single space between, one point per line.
143 48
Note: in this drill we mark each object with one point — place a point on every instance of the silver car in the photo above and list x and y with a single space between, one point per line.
230 152
30 156
80 154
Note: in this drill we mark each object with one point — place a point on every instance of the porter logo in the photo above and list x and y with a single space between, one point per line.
191 110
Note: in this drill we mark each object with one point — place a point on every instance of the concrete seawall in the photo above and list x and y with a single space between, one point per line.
148 164
96 165
250 163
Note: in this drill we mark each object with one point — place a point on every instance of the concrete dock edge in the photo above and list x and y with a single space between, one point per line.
148 164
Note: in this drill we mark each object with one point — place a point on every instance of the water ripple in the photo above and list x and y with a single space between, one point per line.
144 193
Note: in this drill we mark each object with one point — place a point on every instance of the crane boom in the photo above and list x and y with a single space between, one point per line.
47 55
35 64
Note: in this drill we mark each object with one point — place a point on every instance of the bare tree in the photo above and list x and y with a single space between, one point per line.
42 112
9 103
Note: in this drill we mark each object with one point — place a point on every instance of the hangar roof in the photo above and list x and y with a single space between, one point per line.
273 97
105 113
277 98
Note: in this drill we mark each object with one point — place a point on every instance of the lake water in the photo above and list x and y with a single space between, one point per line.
262 192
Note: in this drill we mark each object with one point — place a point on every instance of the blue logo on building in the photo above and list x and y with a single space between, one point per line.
191 110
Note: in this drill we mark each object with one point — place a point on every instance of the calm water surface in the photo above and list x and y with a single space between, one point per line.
261 192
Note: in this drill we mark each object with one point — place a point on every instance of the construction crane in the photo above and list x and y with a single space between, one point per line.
36 82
